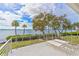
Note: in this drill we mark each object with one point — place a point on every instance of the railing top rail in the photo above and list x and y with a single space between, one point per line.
4 44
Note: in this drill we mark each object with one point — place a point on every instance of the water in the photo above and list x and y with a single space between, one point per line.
7 32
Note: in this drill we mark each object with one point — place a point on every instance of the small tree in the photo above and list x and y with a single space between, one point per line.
76 26
24 26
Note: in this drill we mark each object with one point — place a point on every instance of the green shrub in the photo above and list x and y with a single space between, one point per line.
27 37
71 39
70 33
18 36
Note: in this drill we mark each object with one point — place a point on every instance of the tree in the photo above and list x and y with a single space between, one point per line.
76 26
15 24
59 23
66 25
39 24
47 19
24 26
55 24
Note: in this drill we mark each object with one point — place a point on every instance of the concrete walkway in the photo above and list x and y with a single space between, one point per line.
40 49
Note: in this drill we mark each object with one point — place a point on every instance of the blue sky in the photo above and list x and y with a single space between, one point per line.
24 13
65 9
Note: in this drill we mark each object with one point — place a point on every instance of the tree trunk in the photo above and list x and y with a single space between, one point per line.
24 31
47 36
48 29
59 33
15 34
65 33
15 31
55 33
43 35
52 33
71 36
77 34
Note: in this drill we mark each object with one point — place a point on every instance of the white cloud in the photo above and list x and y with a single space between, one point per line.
8 18
31 9
34 8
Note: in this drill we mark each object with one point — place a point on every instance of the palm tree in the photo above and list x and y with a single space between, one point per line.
24 26
15 24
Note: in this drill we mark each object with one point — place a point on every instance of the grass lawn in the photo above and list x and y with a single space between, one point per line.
22 44
25 43
71 39
0 44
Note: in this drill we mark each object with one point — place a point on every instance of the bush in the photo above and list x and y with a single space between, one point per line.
27 37
70 33
24 37
19 37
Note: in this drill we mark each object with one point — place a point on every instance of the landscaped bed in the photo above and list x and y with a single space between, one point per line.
28 39
72 39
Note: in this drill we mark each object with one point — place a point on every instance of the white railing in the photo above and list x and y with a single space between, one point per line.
69 49
6 48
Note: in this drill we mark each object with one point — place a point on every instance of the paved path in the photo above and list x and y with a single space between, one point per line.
40 49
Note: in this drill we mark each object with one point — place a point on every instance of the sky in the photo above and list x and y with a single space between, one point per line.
24 13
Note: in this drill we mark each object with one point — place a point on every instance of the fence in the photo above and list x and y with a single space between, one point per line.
6 48
70 50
